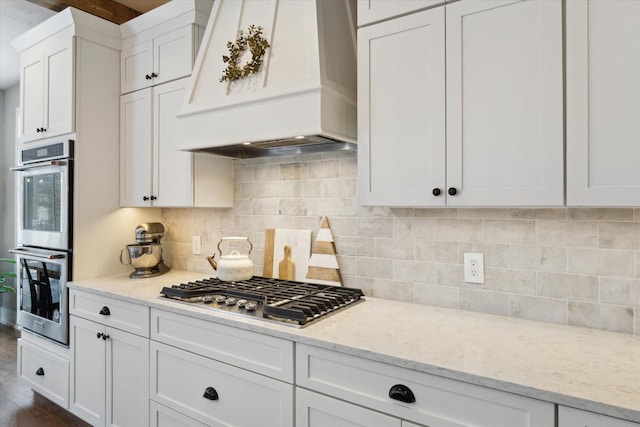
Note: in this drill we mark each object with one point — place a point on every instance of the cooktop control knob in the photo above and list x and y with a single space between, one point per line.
230 301
207 299
241 303
250 306
220 299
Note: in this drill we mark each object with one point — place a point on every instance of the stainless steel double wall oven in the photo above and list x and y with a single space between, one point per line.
44 237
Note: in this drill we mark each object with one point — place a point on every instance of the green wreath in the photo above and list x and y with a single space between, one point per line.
257 45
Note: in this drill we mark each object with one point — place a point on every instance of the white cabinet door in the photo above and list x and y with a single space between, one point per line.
504 103
136 120
127 373
47 90
317 410
88 359
603 103
570 417
401 111
136 66
376 10
173 55
172 169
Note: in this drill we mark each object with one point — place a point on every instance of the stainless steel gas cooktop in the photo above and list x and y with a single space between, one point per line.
289 302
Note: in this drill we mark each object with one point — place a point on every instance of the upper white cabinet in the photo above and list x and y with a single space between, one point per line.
603 103
153 172
46 89
370 11
493 137
165 57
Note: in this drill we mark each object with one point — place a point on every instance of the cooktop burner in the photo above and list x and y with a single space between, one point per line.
295 303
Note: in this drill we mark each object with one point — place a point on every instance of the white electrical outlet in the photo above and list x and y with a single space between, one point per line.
473 268
196 245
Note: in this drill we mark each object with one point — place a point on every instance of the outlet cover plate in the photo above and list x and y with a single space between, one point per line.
473 268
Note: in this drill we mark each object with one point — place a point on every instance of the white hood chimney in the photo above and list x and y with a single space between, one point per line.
302 99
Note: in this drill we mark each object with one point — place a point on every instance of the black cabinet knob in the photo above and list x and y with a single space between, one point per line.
105 311
452 191
402 393
148 77
40 372
210 393
38 130
105 337
145 198
436 192
154 198
154 75
99 335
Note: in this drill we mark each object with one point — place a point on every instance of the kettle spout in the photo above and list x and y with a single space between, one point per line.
212 262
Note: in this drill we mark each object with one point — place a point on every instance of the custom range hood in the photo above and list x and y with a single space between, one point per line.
302 99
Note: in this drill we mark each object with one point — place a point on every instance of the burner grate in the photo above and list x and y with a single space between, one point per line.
280 300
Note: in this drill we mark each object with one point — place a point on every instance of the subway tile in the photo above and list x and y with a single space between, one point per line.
251 190
374 268
458 230
355 246
393 290
348 264
375 227
323 170
484 301
601 316
440 296
582 234
602 262
359 282
292 207
568 286
521 232
266 172
619 291
536 308
600 214
293 171
512 281
450 275
344 187
266 206
282 189
348 168
538 213
414 271
619 235
442 252
483 213
551 233
423 228
393 248
324 207
435 212
402 227
537 258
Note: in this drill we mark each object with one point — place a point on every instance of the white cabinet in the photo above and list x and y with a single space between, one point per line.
153 172
212 373
164 58
417 397
370 11
46 87
494 137
570 417
603 103
45 367
109 367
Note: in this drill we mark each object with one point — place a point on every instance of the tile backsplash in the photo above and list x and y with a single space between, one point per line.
575 266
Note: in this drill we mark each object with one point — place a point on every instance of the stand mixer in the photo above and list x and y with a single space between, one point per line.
145 256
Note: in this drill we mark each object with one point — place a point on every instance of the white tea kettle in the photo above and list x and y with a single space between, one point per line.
234 267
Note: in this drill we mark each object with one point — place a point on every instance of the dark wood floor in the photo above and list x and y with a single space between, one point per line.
19 405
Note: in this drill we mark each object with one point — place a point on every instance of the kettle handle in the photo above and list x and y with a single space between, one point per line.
235 238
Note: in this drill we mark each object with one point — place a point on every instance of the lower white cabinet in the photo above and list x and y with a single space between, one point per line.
216 393
571 417
161 416
45 367
409 395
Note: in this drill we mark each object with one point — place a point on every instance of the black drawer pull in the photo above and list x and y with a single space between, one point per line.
40 372
402 393
210 393
105 311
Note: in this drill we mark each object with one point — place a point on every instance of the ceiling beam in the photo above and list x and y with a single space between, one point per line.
106 9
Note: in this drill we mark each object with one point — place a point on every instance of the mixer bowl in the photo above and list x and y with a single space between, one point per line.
145 257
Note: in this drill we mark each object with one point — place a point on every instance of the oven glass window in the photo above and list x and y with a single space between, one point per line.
42 202
40 288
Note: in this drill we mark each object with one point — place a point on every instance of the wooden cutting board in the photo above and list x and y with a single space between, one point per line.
274 243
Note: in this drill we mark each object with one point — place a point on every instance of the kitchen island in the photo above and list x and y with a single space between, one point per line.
587 369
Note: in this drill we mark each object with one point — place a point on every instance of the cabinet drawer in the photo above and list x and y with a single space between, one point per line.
570 417
161 416
46 372
439 402
122 315
370 11
179 380
248 350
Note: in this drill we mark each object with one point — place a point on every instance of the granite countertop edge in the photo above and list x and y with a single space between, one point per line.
332 333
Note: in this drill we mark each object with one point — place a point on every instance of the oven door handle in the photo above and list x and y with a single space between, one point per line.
57 162
36 255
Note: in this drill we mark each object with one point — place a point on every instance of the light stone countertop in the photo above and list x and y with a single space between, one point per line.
588 369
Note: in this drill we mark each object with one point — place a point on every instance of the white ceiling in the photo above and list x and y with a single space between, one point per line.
18 16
